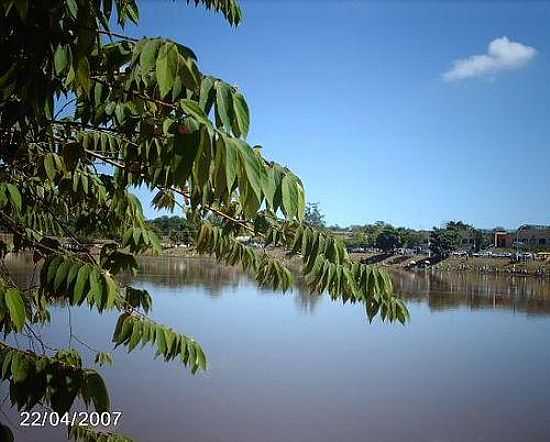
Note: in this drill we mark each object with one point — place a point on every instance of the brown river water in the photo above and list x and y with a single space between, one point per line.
473 364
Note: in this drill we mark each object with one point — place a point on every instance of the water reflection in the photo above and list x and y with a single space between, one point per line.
445 291
439 290
197 272
207 274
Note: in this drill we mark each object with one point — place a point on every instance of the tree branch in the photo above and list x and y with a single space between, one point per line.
181 192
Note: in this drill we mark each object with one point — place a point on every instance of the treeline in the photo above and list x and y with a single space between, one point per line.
381 235
441 241
176 229
454 235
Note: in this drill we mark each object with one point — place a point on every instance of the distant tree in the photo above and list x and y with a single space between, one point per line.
177 228
371 232
165 224
388 239
410 237
356 227
482 239
313 215
444 241
458 225
358 239
468 231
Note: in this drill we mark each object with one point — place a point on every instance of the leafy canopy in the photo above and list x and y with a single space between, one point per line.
86 115
388 239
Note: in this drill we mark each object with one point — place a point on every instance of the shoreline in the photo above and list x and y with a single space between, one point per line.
453 264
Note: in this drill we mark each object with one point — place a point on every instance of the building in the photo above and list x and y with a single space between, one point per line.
528 235
503 239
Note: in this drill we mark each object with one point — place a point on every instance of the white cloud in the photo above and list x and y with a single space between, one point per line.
502 54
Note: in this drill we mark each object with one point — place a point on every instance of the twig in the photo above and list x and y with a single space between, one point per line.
70 327
114 34
64 107
89 347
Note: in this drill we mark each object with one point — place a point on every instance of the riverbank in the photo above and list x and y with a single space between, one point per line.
471 264
494 265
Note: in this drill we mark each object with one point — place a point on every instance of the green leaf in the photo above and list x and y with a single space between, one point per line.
98 391
203 160
188 73
169 338
136 335
49 165
15 196
72 6
255 170
231 161
52 268
103 358
81 283
61 274
191 107
136 235
61 59
95 288
83 74
148 55
71 154
186 148
301 201
123 329
166 68
201 358
126 237
290 196
132 11
270 188
112 292
160 340
155 242
206 96
224 106
16 308
73 272
242 115
20 367
6 365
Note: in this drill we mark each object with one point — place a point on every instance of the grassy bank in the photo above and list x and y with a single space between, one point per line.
451 264
494 265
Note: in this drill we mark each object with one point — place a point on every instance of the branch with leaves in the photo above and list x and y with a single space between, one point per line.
136 112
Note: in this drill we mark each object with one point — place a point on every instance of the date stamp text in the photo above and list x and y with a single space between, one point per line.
76 418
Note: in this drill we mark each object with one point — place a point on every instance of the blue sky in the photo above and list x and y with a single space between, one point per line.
351 96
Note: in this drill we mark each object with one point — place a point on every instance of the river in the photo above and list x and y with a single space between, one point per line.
473 364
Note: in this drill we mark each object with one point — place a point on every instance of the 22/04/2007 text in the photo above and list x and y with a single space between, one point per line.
78 418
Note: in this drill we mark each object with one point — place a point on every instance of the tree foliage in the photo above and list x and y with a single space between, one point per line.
313 215
444 241
388 239
456 234
176 229
75 96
